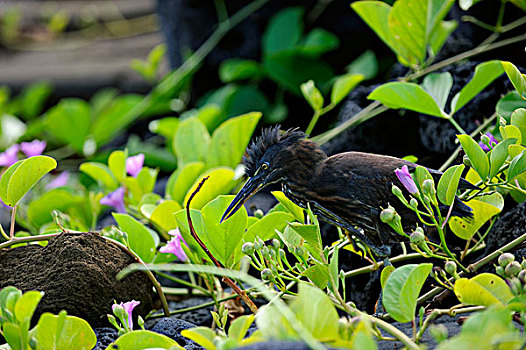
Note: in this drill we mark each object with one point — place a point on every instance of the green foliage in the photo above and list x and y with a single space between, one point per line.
149 67
63 332
448 184
20 177
402 288
485 289
138 340
409 28
142 240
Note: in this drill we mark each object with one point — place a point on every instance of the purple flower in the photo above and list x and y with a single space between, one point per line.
128 307
115 199
33 148
9 156
492 140
174 246
59 181
134 164
406 179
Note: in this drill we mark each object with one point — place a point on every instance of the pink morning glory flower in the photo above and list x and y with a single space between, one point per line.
115 199
174 245
134 164
33 148
492 140
406 179
9 156
59 181
128 307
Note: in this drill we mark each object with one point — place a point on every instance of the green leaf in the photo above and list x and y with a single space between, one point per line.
440 34
376 15
366 64
484 74
165 127
199 227
141 240
230 140
69 121
293 208
139 340
333 269
343 86
402 289
438 85
448 184
63 333
312 95
517 166
498 156
517 78
407 25
235 69
483 208
33 98
20 177
239 327
221 181
315 310
511 132
39 210
203 336
182 180
191 141
386 272
267 226
290 70
117 164
318 42
421 174
476 155
485 289
26 306
223 238
518 119
318 274
164 214
311 234
406 95
101 173
115 118
508 104
14 336
284 31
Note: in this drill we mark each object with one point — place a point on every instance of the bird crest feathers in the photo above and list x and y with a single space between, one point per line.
270 137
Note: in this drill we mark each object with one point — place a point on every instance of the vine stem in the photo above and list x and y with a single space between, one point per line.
13 218
226 279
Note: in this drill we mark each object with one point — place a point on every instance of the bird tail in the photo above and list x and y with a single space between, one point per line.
460 209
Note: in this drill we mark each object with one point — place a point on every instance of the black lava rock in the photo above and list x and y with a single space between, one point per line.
172 327
105 336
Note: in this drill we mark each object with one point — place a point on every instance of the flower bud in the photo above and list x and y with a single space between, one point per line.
515 284
485 140
500 271
523 263
417 236
258 213
428 187
258 243
272 253
276 243
281 254
505 259
387 215
502 122
265 251
248 248
413 203
522 276
266 274
466 161
396 191
451 267
513 268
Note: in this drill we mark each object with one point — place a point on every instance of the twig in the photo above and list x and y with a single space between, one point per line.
226 279
13 218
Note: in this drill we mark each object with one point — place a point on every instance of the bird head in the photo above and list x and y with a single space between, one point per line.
266 162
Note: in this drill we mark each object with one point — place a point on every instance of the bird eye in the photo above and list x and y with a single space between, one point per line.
264 166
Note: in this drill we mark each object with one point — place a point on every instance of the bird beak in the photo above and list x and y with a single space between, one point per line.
251 186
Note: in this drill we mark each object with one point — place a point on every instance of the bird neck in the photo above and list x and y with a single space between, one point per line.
304 158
